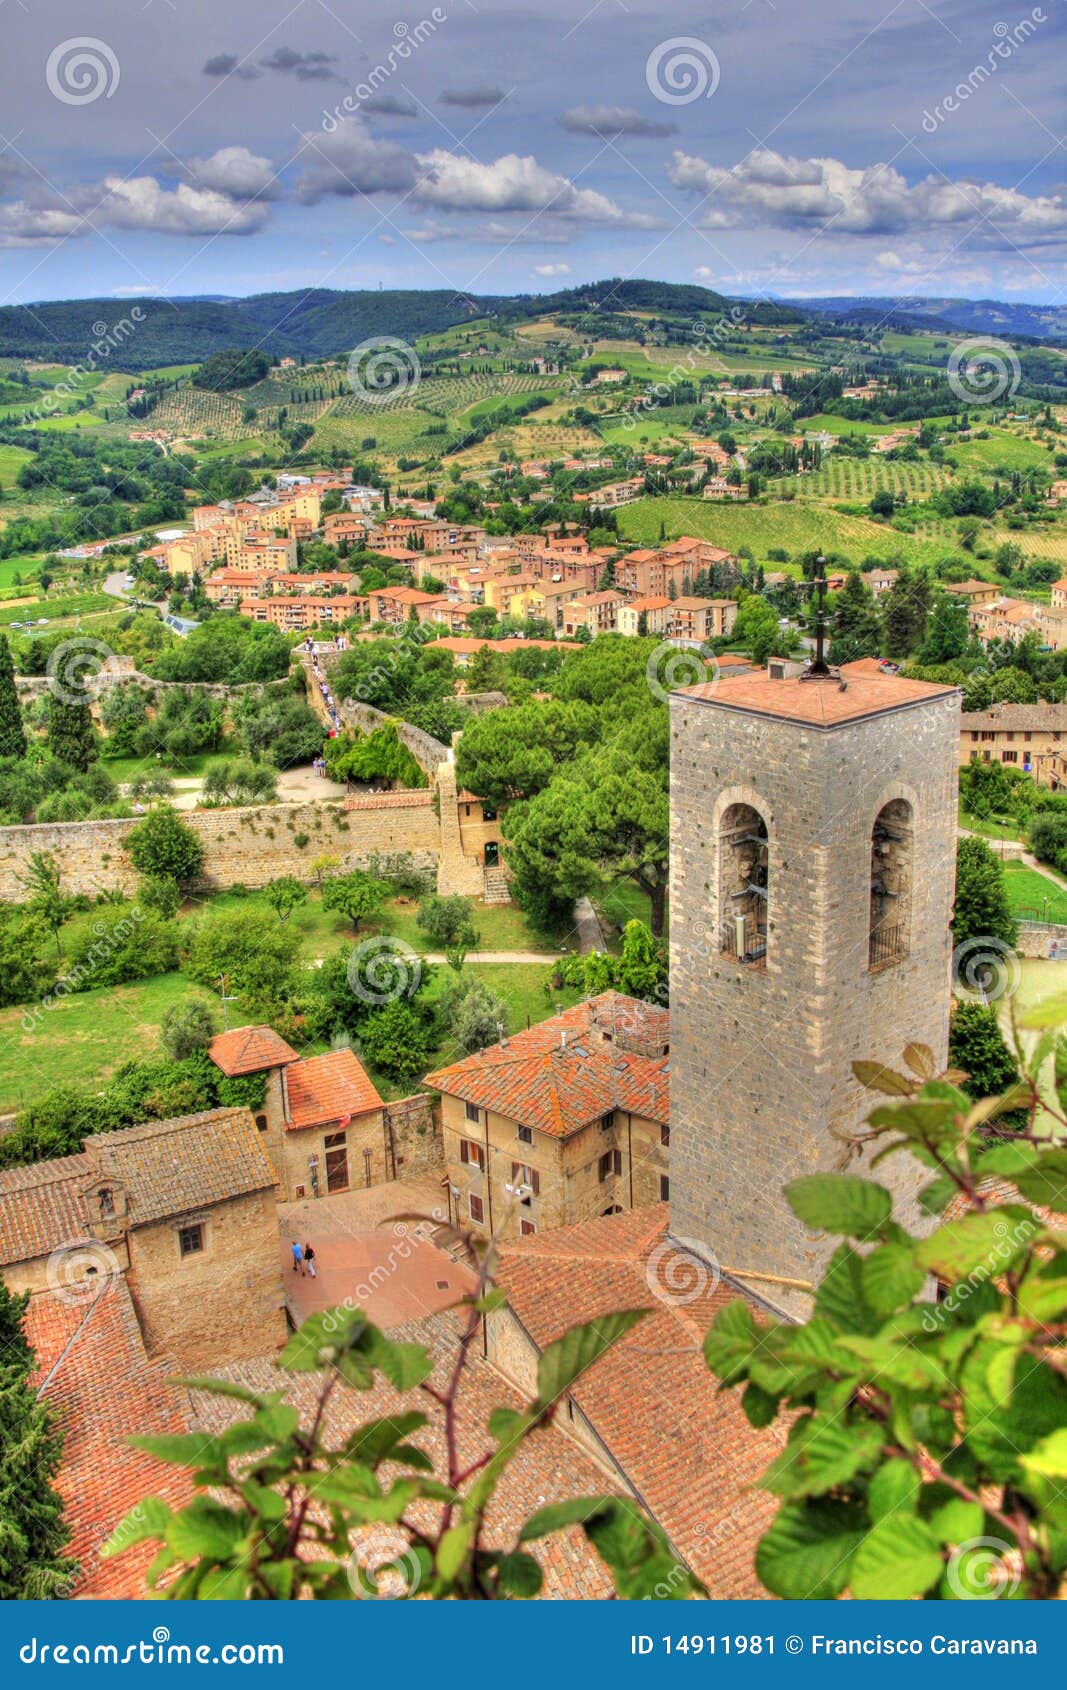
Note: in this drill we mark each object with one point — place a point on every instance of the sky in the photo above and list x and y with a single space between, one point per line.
766 148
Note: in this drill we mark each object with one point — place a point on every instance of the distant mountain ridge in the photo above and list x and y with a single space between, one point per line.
324 322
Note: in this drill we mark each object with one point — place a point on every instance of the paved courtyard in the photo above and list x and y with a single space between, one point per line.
368 1258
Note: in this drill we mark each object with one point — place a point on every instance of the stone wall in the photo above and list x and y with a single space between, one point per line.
1046 939
246 847
414 1127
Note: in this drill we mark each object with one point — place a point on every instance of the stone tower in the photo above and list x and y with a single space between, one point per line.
813 835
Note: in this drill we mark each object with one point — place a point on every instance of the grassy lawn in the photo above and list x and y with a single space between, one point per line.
796 526
83 1039
1041 899
1006 827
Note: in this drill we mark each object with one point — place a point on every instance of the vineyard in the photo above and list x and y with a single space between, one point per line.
861 478
192 413
794 527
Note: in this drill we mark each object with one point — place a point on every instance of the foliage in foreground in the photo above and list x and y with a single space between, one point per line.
282 1512
929 1450
33 1535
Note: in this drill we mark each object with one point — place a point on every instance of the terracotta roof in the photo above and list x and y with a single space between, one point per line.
168 1167
817 704
248 1050
563 1073
654 601
326 1088
1028 718
409 799
687 1449
93 1371
42 1208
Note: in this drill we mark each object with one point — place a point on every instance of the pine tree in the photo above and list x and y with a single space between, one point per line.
12 736
70 733
33 1533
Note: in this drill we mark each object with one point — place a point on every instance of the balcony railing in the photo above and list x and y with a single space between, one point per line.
887 945
745 941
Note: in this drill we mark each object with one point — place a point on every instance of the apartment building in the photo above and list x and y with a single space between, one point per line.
311 610
1028 737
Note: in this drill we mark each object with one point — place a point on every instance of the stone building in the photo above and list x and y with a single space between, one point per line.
183 1209
813 833
1028 737
322 1123
561 1123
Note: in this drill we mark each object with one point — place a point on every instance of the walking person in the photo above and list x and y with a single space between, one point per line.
298 1257
309 1258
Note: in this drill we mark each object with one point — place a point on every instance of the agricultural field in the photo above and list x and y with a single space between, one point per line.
795 526
1004 450
191 413
861 479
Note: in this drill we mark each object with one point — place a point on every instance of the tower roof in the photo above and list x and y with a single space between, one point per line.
818 703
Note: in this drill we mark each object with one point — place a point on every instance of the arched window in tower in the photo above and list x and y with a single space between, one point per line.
743 885
891 877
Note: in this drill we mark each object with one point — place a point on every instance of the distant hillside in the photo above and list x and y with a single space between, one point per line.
973 316
317 322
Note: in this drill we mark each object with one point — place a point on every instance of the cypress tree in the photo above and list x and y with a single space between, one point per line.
70 733
12 736
33 1533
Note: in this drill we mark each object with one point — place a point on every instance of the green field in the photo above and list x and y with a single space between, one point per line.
1033 896
795 527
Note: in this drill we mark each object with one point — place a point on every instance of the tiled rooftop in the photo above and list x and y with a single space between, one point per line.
185 1163
329 1087
42 1208
824 703
249 1050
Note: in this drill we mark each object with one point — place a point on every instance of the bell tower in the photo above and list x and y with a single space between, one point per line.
813 845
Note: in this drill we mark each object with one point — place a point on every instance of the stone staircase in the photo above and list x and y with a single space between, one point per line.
497 890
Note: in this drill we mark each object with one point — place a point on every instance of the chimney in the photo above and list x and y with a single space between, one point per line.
563 1038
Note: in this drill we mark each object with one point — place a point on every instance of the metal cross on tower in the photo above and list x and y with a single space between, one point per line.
818 668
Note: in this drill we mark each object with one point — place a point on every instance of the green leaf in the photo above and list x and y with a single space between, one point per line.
1046 1182
205 1530
806 1553
453 1549
504 1423
890 1278
957 1521
149 1519
731 1339
761 1408
821 1454
1043 1293
899 1558
978 1246
557 1516
895 1485
841 1203
184 1449
875 1076
519 1574
404 1365
223 1584
321 1340
377 1439
566 1360
840 1298
888 1363
937 1195
1049 1457
920 1059
218 1387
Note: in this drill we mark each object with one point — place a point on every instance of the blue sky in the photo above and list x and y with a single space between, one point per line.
833 146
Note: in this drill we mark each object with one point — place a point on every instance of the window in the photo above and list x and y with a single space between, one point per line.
665 1136
471 1111
607 1121
261 1123
664 1189
522 1174
477 1208
743 885
610 1163
1009 756
527 1228
190 1239
107 1203
488 815
890 911
473 1154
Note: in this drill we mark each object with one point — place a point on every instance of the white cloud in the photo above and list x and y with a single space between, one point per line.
552 269
770 188
514 183
236 172
348 160
140 202
22 224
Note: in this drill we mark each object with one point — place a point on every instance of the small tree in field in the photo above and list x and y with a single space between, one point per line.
186 1028
284 895
43 880
355 896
